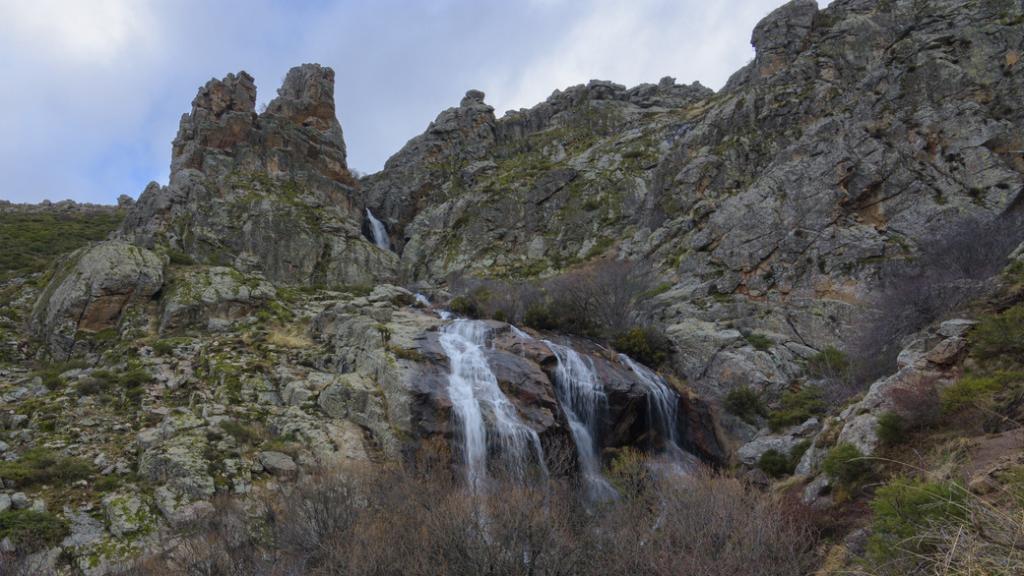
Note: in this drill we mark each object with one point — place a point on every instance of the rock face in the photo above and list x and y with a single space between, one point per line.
268 193
91 291
857 134
235 298
212 298
398 352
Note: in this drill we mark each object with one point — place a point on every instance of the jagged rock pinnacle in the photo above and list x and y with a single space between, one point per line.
307 97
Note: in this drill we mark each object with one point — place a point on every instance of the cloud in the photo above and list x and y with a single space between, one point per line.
94 90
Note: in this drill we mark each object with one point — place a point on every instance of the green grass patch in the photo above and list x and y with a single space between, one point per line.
31 531
828 363
758 341
51 375
39 466
746 403
776 464
903 510
243 433
976 390
796 406
644 344
32 240
892 429
848 466
1000 336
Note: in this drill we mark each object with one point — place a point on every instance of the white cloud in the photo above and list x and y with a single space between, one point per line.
94 88
635 41
77 31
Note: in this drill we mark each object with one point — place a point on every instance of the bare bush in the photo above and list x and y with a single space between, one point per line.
392 522
603 299
951 270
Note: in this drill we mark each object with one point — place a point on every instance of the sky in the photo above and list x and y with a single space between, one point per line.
96 88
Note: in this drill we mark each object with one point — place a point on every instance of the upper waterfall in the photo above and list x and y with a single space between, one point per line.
380 233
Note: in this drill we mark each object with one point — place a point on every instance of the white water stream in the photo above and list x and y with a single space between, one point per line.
582 399
380 233
488 422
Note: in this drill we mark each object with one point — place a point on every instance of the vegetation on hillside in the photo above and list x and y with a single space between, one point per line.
31 239
388 521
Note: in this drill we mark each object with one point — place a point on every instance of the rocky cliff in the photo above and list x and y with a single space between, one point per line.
266 192
241 327
858 134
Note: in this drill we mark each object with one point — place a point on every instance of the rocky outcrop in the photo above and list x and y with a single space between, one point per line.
263 193
397 371
212 299
857 133
90 292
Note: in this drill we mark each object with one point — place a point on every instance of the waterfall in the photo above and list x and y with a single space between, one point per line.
663 407
519 333
582 399
478 400
380 233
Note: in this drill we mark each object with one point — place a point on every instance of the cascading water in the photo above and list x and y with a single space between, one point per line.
380 233
662 401
582 399
475 395
519 333
663 407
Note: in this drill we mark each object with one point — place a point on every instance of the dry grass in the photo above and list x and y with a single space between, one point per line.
394 523
293 337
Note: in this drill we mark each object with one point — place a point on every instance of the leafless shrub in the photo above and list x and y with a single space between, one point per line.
392 522
951 270
602 299
607 296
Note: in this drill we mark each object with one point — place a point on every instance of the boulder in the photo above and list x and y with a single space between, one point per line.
126 513
212 298
278 464
90 291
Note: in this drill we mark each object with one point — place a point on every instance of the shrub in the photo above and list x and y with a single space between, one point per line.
464 306
949 272
629 473
745 403
973 391
1000 335
42 466
796 406
602 299
540 317
30 530
904 510
830 362
775 464
388 521
848 466
644 344
891 429
759 341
